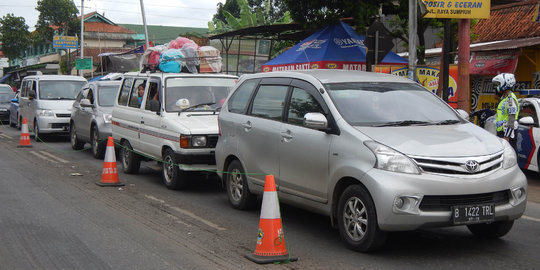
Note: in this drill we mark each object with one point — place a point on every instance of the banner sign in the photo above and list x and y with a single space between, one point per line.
472 9
316 65
493 62
428 76
65 42
85 63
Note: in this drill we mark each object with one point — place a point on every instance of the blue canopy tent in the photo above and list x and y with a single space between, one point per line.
333 47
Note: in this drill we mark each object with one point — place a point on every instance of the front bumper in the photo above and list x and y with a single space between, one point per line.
427 198
51 124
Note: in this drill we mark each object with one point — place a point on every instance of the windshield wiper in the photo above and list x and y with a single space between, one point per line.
448 122
198 105
403 123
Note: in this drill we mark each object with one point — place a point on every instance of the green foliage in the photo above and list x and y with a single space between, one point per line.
244 13
14 35
59 14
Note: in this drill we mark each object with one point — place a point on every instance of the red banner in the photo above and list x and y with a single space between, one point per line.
493 62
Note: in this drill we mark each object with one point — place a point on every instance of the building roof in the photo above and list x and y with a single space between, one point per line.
511 21
106 28
160 34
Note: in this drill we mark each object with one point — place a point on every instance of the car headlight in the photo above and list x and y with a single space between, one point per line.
107 118
198 141
509 155
45 113
391 160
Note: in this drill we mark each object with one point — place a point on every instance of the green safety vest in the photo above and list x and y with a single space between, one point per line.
502 111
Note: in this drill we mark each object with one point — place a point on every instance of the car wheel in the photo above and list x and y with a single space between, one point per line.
357 220
491 230
76 144
237 188
98 147
38 137
131 161
173 177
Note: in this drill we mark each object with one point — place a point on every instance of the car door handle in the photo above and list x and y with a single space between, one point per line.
142 122
247 126
287 136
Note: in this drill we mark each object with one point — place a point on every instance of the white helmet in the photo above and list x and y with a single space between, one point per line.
504 81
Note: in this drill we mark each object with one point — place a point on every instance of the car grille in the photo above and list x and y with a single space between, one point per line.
212 141
59 125
63 115
445 203
457 166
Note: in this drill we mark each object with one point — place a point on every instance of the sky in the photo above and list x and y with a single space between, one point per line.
186 13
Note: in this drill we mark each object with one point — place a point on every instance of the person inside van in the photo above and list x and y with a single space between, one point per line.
140 91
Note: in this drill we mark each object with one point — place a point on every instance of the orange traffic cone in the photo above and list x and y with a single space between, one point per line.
270 238
109 175
25 136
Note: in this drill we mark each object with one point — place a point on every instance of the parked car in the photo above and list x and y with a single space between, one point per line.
14 111
528 133
172 118
6 95
4 87
46 102
375 152
91 116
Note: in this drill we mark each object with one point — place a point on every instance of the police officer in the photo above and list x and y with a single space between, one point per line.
508 108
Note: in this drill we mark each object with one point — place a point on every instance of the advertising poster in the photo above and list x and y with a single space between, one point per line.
428 76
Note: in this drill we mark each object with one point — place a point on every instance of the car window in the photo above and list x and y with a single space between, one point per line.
6 97
153 95
196 90
125 91
240 99
56 90
5 89
90 95
106 95
527 109
379 103
136 98
269 101
82 94
24 88
301 103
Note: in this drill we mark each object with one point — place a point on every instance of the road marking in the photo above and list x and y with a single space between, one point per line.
5 136
41 156
53 156
186 213
531 218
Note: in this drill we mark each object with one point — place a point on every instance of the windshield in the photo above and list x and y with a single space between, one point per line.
59 89
6 97
196 91
387 103
107 95
5 89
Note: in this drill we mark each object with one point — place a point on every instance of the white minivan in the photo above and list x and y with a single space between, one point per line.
46 100
170 118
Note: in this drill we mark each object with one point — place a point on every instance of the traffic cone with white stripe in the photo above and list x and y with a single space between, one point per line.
271 244
25 136
109 175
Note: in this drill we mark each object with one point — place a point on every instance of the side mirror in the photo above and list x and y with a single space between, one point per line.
315 121
86 103
527 120
15 100
32 94
463 114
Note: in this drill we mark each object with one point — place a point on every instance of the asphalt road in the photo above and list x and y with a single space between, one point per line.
53 216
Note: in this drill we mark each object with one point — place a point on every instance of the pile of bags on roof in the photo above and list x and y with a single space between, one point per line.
181 55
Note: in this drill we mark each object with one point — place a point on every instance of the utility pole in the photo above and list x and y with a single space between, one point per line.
412 40
464 53
144 23
79 72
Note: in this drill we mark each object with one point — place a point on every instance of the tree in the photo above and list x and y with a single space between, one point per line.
15 36
55 15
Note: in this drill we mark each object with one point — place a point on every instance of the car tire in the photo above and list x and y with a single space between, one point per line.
237 187
38 137
491 230
357 220
173 177
98 147
76 144
131 161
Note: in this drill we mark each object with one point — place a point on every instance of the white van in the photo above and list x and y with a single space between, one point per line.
46 102
173 121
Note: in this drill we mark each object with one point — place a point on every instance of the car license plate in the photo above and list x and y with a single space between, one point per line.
470 214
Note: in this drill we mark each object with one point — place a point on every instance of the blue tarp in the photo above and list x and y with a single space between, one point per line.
337 44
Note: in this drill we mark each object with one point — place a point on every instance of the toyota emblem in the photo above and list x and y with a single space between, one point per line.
472 166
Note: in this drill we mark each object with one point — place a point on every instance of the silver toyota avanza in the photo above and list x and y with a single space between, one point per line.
375 152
